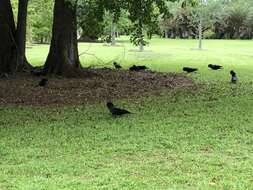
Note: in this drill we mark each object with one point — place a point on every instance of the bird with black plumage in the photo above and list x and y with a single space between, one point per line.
43 82
189 69
215 67
234 78
138 68
116 111
117 65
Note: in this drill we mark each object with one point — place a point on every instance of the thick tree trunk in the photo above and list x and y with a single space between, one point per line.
21 35
12 46
8 47
63 56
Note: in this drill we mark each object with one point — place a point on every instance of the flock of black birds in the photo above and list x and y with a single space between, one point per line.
118 111
213 67
186 69
132 68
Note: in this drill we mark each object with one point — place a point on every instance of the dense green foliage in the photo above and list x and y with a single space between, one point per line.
140 13
95 18
40 20
221 19
90 20
182 140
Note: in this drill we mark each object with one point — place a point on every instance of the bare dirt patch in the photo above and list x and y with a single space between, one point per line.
98 85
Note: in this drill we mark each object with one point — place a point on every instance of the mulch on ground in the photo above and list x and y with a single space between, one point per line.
99 85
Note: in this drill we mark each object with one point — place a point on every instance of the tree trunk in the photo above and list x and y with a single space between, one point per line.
141 47
113 34
21 35
166 34
63 56
200 34
8 47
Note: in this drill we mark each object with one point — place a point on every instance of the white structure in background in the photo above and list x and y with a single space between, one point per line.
113 34
202 3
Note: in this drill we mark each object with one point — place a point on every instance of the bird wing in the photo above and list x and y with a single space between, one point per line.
118 111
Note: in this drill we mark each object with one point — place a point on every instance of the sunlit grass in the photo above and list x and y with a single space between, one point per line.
166 56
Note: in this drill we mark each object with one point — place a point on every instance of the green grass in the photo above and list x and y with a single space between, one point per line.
182 140
167 56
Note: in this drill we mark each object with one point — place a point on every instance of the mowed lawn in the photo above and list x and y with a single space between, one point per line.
166 56
182 140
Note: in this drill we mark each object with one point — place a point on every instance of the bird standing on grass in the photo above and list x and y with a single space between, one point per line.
116 65
43 82
116 111
233 77
189 69
214 67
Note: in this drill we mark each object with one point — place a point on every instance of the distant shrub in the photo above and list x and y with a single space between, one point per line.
209 34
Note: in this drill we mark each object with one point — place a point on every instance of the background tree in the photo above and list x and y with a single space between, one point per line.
12 47
20 36
123 25
40 19
142 13
179 23
218 19
90 20
114 7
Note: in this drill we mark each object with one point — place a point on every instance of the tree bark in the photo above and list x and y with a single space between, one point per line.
8 47
22 62
63 56
12 46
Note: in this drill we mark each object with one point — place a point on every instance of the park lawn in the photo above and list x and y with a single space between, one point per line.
166 56
181 140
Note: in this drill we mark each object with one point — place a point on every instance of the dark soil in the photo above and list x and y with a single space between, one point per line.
97 85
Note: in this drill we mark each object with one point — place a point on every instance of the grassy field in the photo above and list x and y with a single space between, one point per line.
184 140
167 56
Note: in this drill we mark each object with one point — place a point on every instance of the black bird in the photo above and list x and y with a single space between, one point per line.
116 111
189 70
43 82
37 71
214 67
233 77
138 68
116 65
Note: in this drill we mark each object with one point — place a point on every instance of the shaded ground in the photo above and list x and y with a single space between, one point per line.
99 85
